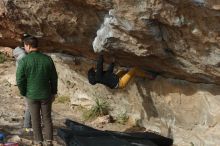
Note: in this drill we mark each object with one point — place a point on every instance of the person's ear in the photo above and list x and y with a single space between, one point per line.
29 47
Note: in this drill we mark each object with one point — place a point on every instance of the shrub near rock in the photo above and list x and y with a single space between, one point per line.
100 108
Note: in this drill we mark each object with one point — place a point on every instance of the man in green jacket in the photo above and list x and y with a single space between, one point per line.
36 78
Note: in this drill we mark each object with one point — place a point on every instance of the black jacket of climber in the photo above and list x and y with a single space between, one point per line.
107 77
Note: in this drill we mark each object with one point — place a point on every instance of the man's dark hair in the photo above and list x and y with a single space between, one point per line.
91 76
24 35
32 41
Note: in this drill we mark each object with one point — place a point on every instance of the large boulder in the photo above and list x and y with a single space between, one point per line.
179 39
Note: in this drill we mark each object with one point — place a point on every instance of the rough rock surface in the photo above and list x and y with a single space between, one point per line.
179 38
188 112
62 25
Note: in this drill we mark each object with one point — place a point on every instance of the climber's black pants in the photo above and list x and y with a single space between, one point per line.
99 68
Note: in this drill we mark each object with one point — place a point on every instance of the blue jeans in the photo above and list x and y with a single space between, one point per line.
27 116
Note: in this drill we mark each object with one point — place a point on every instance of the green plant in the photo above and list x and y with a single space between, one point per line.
100 108
63 99
2 58
122 118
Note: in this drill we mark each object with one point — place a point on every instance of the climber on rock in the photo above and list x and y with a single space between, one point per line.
115 80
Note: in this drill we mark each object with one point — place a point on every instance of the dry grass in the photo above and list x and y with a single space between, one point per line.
122 118
63 99
100 108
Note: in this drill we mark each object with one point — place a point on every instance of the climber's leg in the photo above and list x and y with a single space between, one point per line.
99 68
120 73
111 68
145 74
123 81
